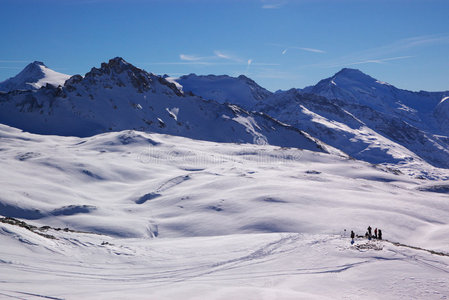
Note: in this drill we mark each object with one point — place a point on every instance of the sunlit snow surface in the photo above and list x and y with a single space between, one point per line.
174 218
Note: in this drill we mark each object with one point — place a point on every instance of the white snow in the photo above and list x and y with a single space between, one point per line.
443 100
34 76
51 77
383 82
241 90
179 218
173 112
174 80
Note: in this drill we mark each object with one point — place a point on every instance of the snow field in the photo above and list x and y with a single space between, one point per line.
177 218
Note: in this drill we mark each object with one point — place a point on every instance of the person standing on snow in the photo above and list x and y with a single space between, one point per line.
369 231
375 233
379 232
352 237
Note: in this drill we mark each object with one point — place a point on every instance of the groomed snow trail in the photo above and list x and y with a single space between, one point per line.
251 266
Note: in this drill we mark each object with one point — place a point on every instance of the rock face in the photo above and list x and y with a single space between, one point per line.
119 96
34 76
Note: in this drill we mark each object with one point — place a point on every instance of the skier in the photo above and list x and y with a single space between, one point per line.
369 231
380 234
375 233
352 237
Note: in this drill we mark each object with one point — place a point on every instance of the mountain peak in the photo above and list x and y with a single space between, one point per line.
38 63
353 74
34 69
348 78
33 76
117 65
350 71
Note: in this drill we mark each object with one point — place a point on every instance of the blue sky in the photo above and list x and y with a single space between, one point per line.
279 43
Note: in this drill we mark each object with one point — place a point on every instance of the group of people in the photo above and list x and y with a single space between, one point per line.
377 234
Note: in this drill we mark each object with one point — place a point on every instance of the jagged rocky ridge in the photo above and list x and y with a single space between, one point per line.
119 96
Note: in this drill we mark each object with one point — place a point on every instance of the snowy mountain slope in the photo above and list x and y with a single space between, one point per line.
366 118
132 184
354 87
358 130
119 96
237 90
413 120
177 218
34 76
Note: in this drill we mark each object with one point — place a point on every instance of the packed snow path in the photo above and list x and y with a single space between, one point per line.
252 266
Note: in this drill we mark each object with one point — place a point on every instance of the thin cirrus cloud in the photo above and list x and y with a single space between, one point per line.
217 58
303 49
270 4
187 57
373 61
386 53
13 61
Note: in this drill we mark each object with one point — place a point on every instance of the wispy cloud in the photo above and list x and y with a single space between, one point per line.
189 57
11 68
220 54
217 58
372 61
13 61
303 49
272 4
385 53
417 41
227 56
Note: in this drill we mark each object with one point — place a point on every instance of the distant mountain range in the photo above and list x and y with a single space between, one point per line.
366 118
118 96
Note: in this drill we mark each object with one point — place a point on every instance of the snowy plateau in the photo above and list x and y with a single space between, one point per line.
122 184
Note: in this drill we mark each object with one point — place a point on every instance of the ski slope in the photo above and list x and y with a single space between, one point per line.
168 217
250 266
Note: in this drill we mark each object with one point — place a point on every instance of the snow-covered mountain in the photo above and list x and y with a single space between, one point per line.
359 130
34 76
240 90
364 117
351 111
119 96
356 88
414 120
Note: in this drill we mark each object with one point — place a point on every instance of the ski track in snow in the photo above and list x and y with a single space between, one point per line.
154 267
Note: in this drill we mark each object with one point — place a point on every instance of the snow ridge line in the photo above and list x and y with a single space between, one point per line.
38 230
397 244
